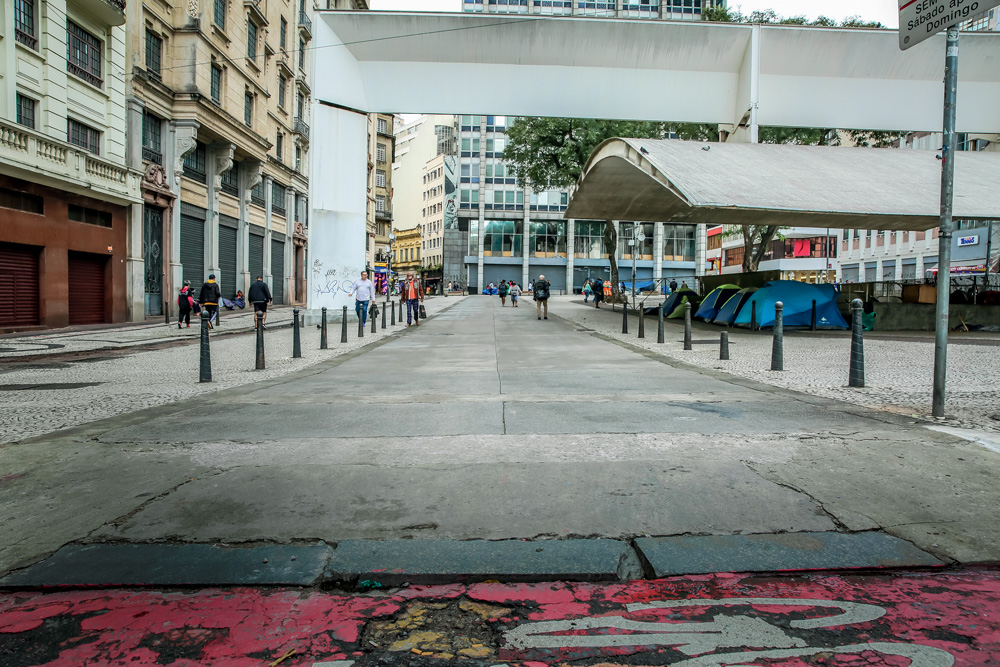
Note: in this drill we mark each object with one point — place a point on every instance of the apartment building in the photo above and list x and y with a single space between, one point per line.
407 252
66 187
439 203
381 145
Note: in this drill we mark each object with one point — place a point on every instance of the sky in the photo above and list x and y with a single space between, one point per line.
871 10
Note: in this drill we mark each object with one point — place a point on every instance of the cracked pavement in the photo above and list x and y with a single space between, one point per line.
487 424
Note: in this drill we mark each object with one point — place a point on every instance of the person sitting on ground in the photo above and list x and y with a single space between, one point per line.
260 296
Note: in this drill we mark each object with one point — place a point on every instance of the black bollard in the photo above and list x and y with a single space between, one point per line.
659 326
383 315
361 326
296 336
857 377
625 318
393 309
753 316
687 326
400 311
322 332
260 342
642 322
778 340
374 316
812 319
205 365
724 346
343 327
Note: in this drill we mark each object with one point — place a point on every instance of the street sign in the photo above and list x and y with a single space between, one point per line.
920 19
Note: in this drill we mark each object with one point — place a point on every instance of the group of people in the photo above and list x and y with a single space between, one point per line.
540 290
597 288
510 289
411 292
210 297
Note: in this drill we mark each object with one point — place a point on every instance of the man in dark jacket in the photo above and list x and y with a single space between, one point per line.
259 295
209 298
541 296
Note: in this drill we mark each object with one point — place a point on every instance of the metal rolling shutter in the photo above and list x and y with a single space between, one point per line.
278 270
193 250
19 305
87 288
227 259
256 254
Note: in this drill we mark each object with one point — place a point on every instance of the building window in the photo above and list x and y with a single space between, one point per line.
21 201
548 239
83 54
24 23
154 53
283 34
25 111
298 158
625 235
589 240
90 216
151 138
216 84
679 242
380 178
194 164
380 153
83 136
220 13
251 41
383 126
257 194
282 85
230 180
279 145
503 238
379 204
248 109
278 198
302 55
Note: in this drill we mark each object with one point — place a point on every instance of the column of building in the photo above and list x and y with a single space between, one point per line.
135 264
526 235
184 135
268 193
570 247
291 201
658 251
700 250
220 161
482 199
253 174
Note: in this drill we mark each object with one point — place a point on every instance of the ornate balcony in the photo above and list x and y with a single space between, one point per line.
301 127
305 25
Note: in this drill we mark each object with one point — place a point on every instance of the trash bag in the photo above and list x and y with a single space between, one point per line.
868 321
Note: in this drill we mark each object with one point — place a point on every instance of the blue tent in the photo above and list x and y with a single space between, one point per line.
639 286
714 301
727 313
674 305
797 299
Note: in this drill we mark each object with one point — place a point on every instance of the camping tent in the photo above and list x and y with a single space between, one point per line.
727 313
714 301
674 305
797 299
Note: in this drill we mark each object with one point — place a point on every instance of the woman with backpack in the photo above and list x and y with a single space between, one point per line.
185 302
587 291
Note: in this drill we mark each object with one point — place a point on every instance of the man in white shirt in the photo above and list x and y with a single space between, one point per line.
363 291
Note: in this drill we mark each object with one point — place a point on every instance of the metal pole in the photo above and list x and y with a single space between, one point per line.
642 321
812 319
635 247
322 332
205 362
343 326
857 376
944 235
260 341
753 315
724 346
374 316
687 326
400 311
659 326
392 308
625 318
361 327
383 314
296 336
778 340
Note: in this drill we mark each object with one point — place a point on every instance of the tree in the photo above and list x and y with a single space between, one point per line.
552 152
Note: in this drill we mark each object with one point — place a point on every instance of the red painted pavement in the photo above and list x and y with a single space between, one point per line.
923 619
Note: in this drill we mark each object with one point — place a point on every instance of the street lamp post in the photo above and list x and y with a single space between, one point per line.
388 270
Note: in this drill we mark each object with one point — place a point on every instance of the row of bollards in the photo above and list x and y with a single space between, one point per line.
205 352
857 363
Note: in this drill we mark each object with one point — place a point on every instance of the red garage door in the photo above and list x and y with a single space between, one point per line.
87 288
18 285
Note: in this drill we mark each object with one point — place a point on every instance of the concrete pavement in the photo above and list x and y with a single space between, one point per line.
487 424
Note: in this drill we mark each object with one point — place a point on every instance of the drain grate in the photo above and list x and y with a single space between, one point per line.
47 385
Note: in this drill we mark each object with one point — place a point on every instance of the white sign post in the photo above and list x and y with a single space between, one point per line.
919 20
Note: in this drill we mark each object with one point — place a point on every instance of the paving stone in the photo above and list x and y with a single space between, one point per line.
786 551
174 565
393 562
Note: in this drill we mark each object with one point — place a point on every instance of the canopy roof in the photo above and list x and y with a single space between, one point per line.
757 184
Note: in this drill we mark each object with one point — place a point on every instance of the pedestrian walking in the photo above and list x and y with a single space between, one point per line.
531 286
503 290
412 294
185 303
673 285
363 291
598 290
515 292
259 296
541 296
588 291
209 299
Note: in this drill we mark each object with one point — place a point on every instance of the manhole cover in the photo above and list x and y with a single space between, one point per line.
48 385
